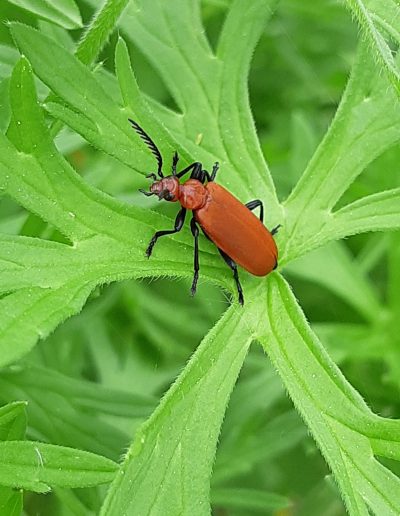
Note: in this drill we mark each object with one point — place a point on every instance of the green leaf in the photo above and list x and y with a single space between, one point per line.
379 21
12 427
13 421
111 140
167 468
93 40
345 278
4 105
71 503
58 408
88 110
235 55
37 466
393 272
241 456
365 119
132 99
8 57
304 142
248 499
45 292
346 431
11 502
99 30
83 393
64 12
217 82
376 212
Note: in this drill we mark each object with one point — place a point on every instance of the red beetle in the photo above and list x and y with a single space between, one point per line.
240 237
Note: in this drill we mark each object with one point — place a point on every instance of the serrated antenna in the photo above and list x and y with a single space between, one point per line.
150 144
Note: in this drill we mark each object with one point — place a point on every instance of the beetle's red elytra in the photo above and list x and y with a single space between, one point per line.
241 238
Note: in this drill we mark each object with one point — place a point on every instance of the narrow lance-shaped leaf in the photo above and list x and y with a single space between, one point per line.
377 212
248 499
58 408
37 466
167 470
12 427
99 30
11 501
379 22
346 431
365 119
99 118
13 421
63 12
93 40
236 124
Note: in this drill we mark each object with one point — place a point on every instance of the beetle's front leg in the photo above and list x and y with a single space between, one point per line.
180 219
196 266
194 168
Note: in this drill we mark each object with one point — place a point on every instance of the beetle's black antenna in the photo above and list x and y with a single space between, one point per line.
151 145
147 194
175 159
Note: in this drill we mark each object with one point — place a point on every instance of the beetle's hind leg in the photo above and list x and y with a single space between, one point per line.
274 231
252 205
232 265
195 232
180 219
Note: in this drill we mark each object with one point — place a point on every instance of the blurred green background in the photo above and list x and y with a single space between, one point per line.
132 339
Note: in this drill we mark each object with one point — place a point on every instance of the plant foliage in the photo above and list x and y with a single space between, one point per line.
71 399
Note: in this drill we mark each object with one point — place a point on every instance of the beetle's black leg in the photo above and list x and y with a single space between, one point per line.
193 166
175 159
180 219
254 204
198 173
203 174
274 231
195 233
233 266
214 171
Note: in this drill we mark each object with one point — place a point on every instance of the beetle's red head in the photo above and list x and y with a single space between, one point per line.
166 188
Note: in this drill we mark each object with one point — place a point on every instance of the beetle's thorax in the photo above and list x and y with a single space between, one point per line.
167 188
193 195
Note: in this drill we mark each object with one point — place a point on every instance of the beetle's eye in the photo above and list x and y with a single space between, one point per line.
165 194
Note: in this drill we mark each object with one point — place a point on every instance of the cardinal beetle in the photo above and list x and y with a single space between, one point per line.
240 237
